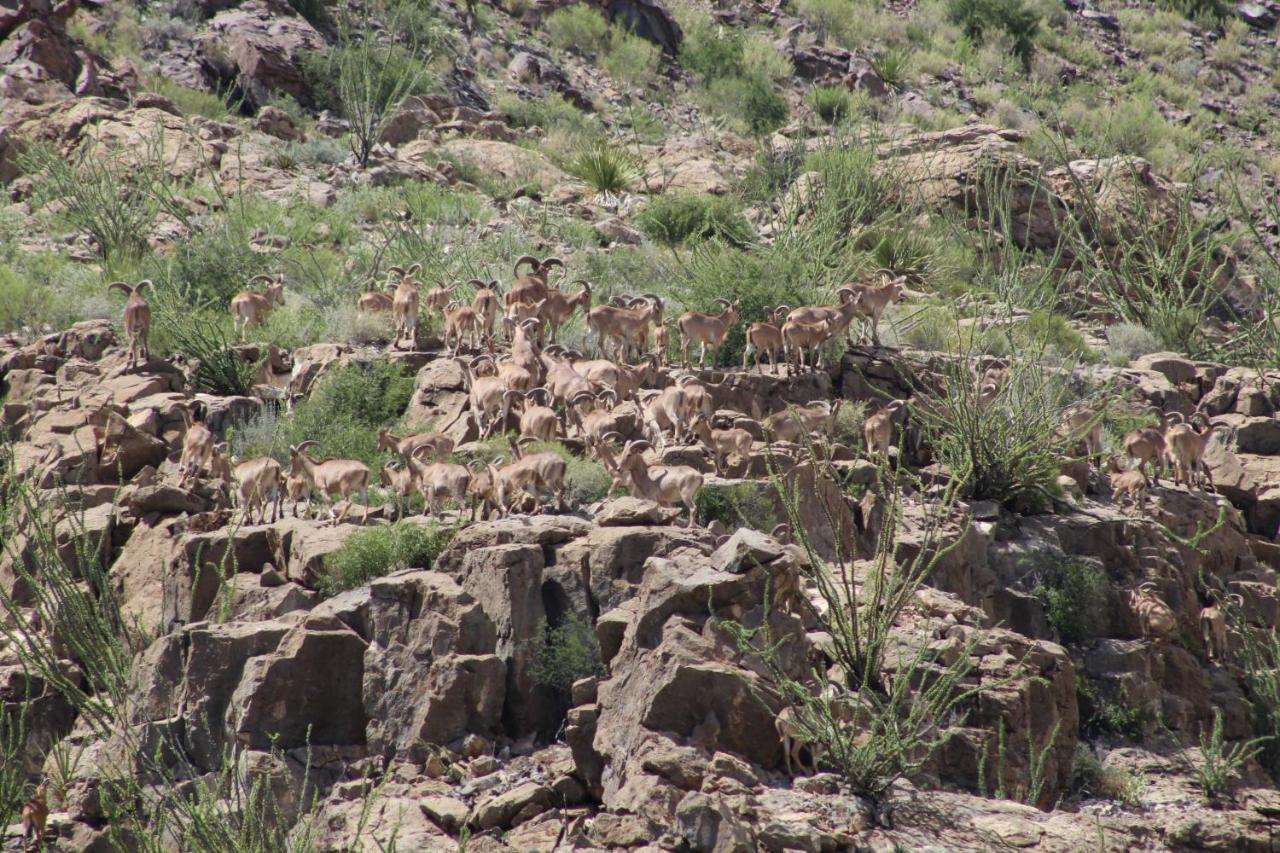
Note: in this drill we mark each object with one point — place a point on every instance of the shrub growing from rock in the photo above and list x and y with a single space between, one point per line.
379 551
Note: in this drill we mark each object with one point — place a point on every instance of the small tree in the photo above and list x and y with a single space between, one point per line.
897 693
373 71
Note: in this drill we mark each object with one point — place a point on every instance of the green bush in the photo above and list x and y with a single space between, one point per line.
673 218
752 99
347 408
1018 21
1101 713
712 50
570 652
1074 593
379 551
1210 13
191 102
833 104
19 300
738 505
631 59
604 167
550 113
580 28
207 269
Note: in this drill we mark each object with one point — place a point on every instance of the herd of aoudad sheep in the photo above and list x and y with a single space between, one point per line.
555 392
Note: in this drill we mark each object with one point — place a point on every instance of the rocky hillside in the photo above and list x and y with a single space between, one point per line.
992 564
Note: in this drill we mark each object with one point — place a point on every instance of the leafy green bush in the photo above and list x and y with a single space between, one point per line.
379 551
1018 21
631 59
738 505
712 50
603 167
347 408
832 103
752 99
1102 713
549 113
675 217
208 269
1210 13
579 27
1074 593
191 102
569 653
19 300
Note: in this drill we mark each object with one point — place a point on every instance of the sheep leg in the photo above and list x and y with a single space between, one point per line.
786 754
702 356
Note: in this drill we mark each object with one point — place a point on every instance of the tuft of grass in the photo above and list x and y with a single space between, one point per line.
191 102
1101 712
752 100
379 551
738 505
833 104
605 168
631 59
674 218
204 341
1219 768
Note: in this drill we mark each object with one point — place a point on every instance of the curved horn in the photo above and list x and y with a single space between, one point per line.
414 270
310 442
573 401
552 262
396 270
686 379
270 279
477 282
1236 597
638 446
611 437
720 300
1143 587
521 261
424 448
846 293
121 286
138 288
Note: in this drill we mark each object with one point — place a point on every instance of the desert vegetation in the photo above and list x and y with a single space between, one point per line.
430 425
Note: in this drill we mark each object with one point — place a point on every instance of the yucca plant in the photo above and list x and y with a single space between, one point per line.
604 167
892 65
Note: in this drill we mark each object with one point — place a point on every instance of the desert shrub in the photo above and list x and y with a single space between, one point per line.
738 505
19 300
1162 275
890 724
712 50
833 104
317 150
346 409
1018 21
893 66
191 102
752 99
630 58
99 191
604 167
550 113
1218 770
205 341
1074 593
379 551
1103 713
579 27
1008 450
1207 12
207 269
673 218
1089 778
370 72
829 18
1126 341
316 12
568 652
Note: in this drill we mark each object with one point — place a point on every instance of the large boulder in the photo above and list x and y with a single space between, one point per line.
256 46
